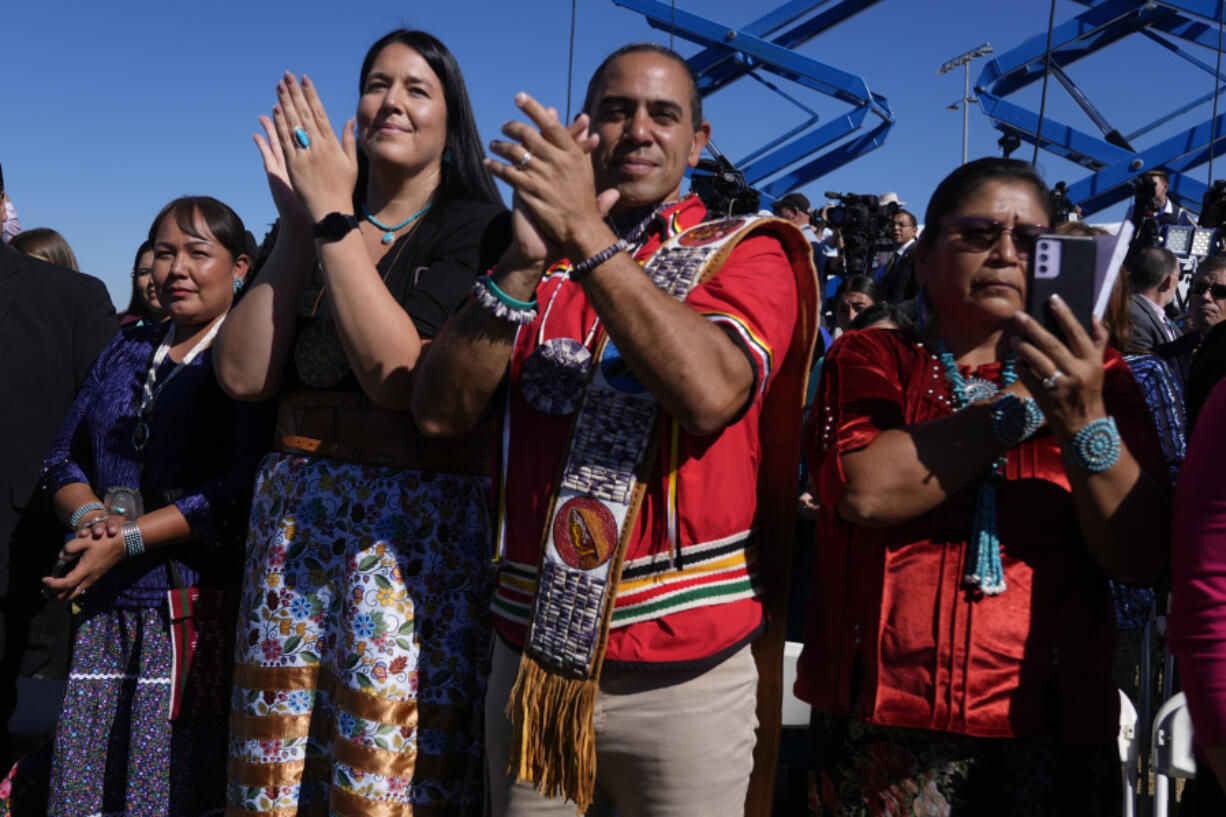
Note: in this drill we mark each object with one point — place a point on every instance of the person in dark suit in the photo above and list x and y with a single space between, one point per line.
1154 272
897 275
53 324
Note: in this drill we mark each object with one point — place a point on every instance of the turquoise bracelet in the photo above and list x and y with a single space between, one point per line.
524 306
1095 447
1015 419
80 512
133 542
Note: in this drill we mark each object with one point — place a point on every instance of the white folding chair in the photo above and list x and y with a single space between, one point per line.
1129 752
1172 749
795 711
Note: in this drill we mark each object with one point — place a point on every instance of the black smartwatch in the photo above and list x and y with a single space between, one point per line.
335 226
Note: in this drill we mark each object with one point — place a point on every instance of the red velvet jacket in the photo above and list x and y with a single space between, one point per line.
892 637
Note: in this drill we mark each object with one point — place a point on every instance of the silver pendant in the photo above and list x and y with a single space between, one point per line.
140 435
977 390
389 237
552 377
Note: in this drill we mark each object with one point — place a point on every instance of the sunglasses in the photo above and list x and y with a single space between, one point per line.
981 234
1218 291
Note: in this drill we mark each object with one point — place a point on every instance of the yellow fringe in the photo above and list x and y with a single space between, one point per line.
553 734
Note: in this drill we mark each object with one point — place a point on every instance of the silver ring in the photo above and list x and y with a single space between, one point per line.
1049 382
523 161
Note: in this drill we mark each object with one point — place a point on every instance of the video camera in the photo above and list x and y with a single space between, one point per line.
1213 206
723 188
1061 205
866 225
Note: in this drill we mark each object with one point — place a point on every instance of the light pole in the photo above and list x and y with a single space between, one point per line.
965 61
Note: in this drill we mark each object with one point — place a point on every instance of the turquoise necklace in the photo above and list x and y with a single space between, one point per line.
389 233
984 571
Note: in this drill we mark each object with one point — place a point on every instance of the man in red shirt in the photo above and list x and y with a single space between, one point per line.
672 725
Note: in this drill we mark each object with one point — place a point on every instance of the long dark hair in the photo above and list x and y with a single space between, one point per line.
223 222
463 175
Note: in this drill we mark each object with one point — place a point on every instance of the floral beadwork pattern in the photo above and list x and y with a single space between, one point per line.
882 771
380 579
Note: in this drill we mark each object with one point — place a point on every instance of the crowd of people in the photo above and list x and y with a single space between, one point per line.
424 505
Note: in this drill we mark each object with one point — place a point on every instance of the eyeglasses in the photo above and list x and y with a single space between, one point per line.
981 234
1217 291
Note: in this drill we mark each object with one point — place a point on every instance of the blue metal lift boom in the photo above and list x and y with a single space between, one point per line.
1109 155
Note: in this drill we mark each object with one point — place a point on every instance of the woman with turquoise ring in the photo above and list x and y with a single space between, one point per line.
363 625
980 480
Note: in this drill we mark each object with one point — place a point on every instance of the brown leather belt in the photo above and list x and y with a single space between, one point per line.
347 426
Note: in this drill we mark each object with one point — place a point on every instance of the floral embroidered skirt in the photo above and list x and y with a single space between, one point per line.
363 642
861 770
116 750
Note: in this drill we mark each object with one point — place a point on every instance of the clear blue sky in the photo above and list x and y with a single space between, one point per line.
112 109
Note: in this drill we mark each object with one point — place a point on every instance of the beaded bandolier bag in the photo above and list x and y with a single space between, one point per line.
596 500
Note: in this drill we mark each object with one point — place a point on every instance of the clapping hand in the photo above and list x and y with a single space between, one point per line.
320 169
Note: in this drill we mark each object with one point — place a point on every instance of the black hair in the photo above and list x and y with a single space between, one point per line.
225 225
910 216
1149 266
970 177
136 302
882 311
650 48
860 283
1211 264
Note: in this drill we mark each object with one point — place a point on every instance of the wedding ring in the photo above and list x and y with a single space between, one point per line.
523 161
301 137
1049 382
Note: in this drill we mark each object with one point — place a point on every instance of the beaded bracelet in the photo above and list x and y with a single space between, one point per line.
1095 447
1015 419
502 305
88 507
578 271
133 542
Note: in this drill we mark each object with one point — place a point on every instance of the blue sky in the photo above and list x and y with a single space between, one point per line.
112 109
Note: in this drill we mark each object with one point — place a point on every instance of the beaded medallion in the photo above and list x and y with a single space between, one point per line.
553 376
319 356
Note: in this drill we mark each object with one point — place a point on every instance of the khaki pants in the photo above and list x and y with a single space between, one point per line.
669 743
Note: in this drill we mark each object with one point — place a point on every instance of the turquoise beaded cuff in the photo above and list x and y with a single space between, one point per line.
133 542
1095 447
79 513
1015 419
502 305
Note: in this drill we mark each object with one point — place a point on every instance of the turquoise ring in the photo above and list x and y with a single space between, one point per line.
300 136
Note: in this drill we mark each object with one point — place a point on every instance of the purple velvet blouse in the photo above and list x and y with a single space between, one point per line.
201 456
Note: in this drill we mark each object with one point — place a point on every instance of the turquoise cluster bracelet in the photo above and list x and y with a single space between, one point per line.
1095 447
1015 419
502 305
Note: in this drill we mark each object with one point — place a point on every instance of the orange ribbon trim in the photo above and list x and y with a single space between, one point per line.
275 727
261 678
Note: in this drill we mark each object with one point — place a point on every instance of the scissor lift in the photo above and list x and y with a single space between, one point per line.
1113 158
765 47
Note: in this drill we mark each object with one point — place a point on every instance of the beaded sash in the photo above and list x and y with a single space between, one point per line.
591 516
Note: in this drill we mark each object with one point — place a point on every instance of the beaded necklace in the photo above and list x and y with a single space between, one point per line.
984 571
389 234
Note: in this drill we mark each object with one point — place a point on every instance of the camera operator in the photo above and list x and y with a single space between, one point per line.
897 275
795 208
1154 202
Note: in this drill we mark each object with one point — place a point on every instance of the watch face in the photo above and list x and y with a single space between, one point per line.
335 225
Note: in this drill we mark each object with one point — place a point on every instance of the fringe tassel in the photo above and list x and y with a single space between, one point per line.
553 735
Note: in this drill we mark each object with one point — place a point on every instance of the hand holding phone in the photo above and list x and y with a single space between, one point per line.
1061 265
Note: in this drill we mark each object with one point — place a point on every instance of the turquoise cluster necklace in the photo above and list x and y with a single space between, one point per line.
984 571
389 232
